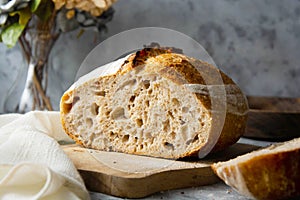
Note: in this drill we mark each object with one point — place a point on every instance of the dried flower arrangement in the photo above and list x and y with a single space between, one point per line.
36 25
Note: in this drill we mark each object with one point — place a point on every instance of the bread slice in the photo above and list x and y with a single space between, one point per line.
155 103
268 173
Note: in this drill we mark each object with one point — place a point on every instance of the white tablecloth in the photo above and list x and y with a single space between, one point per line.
32 164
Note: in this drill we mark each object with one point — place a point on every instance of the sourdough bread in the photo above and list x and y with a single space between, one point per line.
155 103
268 173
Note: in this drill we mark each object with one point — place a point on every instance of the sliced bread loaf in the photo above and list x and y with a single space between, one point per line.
268 173
155 103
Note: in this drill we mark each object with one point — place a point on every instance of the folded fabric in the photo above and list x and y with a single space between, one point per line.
32 164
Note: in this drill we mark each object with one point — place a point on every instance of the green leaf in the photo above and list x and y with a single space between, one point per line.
44 10
24 15
34 5
11 34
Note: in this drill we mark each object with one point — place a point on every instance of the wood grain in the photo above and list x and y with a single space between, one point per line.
111 177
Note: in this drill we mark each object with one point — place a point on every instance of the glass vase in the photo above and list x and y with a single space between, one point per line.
29 92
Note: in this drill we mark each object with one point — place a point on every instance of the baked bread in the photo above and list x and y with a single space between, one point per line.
268 173
155 103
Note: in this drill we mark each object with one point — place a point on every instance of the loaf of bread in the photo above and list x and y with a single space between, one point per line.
268 173
155 103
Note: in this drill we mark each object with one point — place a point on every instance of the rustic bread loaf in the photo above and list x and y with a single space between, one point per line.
156 103
268 173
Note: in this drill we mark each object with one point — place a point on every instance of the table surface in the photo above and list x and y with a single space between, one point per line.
216 191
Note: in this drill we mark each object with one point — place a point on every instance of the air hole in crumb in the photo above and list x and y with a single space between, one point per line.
100 93
175 102
107 112
185 109
127 84
171 114
118 113
166 125
189 142
110 148
202 124
125 138
192 140
89 122
111 133
196 138
203 117
92 136
76 99
147 103
146 83
128 127
132 98
169 145
151 140
150 91
139 122
184 131
147 135
173 135
141 146
95 109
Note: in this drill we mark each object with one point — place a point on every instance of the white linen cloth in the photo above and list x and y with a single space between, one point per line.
32 164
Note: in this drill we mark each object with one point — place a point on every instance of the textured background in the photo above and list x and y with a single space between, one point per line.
255 42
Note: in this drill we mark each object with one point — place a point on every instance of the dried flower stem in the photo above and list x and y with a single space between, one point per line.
36 53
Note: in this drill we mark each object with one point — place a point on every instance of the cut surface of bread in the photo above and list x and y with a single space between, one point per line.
268 173
147 104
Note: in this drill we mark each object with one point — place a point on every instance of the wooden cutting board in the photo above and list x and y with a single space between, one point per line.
273 118
132 176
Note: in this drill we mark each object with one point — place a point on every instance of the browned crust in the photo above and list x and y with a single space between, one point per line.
64 109
269 176
181 69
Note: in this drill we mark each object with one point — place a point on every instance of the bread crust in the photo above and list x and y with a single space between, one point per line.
272 175
181 69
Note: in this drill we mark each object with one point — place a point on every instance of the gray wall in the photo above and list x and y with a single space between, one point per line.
255 42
